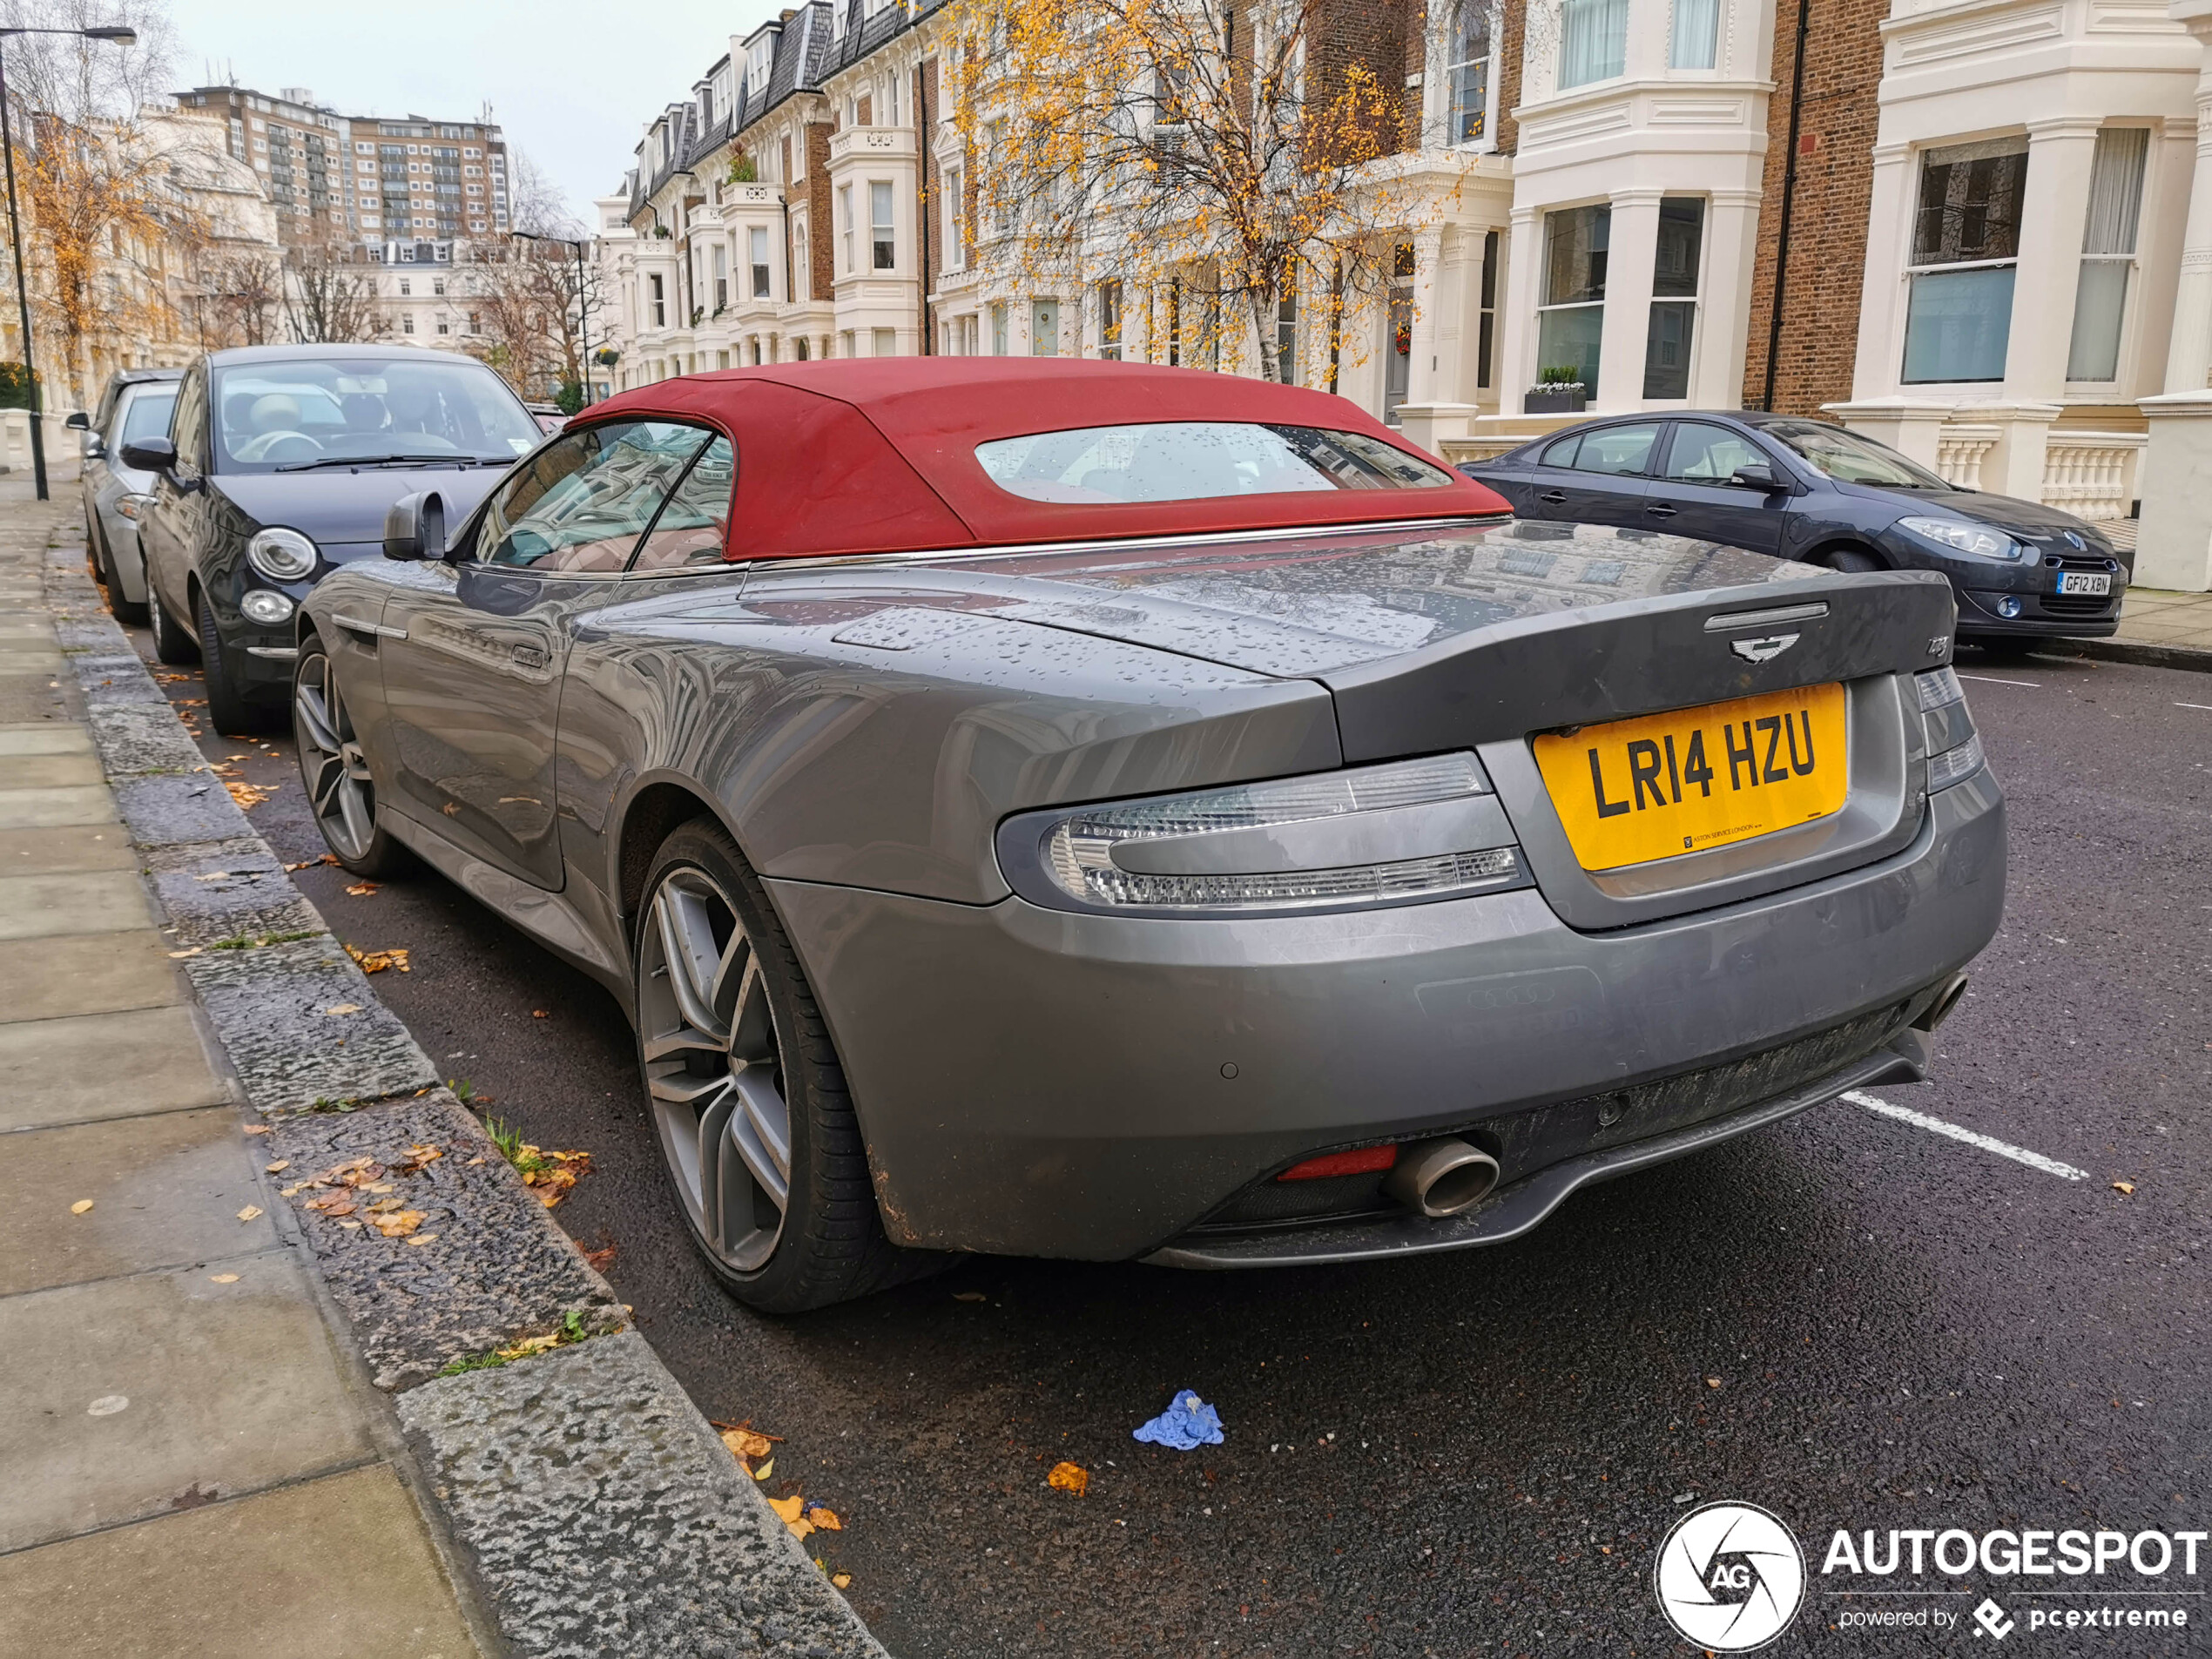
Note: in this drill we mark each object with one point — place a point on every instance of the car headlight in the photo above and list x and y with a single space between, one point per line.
282 555
1959 536
266 607
132 506
1370 835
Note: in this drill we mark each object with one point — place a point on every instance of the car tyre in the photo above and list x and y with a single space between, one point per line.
1852 562
750 1103
172 642
335 772
227 708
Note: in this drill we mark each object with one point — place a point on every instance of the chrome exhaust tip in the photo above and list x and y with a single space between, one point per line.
1439 1178
1945 999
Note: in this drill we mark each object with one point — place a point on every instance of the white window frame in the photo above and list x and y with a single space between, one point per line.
845 227
883 227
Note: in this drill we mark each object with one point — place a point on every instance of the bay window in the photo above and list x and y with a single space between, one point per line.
757 252
1593 41
2107 252
845 228
1694 41
956 237
883 248
1673 327
1570 322
1965 250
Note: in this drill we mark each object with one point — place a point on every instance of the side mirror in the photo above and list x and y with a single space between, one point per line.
414 527
79 422
1756 474
150 454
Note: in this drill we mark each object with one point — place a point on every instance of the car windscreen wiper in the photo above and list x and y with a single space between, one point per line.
450 460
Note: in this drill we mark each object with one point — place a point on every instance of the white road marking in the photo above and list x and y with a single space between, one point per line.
2206 707
1988 1143
1991 679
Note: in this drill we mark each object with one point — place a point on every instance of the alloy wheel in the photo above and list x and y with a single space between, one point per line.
331 762
714 1069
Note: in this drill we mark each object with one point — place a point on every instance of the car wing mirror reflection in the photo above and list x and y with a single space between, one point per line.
414 527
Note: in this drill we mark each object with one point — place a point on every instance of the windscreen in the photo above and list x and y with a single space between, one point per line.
1851 458
272 415
146 415
1198 460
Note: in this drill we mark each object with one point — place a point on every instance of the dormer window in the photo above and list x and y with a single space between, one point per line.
757 67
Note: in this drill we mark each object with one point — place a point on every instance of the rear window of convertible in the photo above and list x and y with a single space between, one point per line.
1197 461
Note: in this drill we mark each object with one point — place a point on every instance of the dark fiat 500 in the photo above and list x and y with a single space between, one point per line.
1807 489
278 465
1107 812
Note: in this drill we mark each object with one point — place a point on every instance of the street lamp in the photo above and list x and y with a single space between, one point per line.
121 35
583 310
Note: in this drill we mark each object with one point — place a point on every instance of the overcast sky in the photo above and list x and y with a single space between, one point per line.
572 84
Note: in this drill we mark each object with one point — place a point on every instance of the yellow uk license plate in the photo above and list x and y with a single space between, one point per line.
1663 785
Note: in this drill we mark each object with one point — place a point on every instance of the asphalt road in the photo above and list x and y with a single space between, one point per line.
1849 1320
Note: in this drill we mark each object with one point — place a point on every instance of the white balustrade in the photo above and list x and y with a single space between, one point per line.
2091 475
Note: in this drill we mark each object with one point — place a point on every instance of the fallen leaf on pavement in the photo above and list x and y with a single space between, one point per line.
179 956
765 1470
247 795
843 1580
279 1167
2123 1188
417 1159
350 1226
222 1279
550 1174
251 1212
598 1258
375 961
309 864
826 1519
225 875
420 1239
1069 1477
258 1129
361 889
335 1205
788 1511
343 1007
398 1223
747 1443
1712 1382
80 1206
537 1013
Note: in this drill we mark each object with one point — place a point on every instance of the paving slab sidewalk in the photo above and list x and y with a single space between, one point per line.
473 1394
189 1462
2158 628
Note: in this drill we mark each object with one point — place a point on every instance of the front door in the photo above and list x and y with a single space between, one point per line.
1044 330
1690 493
1398 352
472 654
1596 476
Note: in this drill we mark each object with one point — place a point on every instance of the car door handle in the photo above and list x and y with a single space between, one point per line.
1553 497
371 630
1660 509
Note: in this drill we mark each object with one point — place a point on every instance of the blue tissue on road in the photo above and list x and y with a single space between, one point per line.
1185 1425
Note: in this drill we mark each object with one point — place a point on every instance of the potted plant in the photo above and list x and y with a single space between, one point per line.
1558 390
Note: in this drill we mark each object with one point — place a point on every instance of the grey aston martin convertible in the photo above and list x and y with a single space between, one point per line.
1090 810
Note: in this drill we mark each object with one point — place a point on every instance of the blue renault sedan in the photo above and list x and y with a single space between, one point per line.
1809 490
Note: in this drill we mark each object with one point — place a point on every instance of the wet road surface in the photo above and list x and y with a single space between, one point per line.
1848 1320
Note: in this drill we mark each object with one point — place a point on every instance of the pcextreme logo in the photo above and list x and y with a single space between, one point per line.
1729 1577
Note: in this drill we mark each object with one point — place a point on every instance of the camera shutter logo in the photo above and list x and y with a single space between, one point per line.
1729 1577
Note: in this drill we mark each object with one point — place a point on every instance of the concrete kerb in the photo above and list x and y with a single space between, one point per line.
2140 653
597 1511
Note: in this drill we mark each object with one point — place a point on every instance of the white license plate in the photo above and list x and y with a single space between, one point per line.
2085 582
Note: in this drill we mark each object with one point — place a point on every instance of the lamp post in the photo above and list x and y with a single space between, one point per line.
122 36
582 309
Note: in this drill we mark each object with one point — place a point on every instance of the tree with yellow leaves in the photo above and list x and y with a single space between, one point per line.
1217 159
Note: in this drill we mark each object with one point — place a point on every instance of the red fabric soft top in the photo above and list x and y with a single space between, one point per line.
878 455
